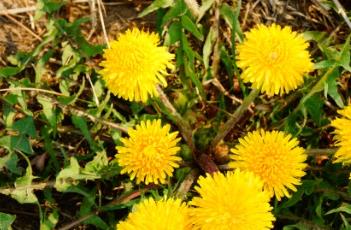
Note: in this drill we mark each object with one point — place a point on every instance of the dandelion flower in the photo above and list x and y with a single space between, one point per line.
343 135
149 154
273 156
135 64
274 59
232 201
166 214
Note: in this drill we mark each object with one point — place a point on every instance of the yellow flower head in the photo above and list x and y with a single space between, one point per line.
135 64
232 201
149 154
274 59
343 135
164 214
273 156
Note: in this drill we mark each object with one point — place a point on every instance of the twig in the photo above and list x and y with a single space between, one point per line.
313 152
221 88
100 8
216 51
93 89
235 117
78 221
30 8
183 126
23 26
18 10
342 12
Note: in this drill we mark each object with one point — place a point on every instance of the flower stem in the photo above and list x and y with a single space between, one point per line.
229 125
183 126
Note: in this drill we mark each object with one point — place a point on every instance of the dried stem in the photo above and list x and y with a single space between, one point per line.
342 12
216 51
229 125
313 152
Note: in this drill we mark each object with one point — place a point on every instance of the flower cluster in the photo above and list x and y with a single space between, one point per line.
232 201
266 164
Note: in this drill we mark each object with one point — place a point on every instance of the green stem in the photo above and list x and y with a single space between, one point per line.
184 127
316 88
229 125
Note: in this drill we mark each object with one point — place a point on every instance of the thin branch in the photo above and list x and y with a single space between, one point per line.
100 9
93 89
313 152
30 8
78 221
216 51
342 12
23 26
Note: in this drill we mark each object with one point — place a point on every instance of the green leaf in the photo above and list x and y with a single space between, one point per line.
205 6
49 112
343 208
6 221
207 49
9 161
230 15
331 88
99 163
343 58
178 9
81 124
62 182
25 126
314 106
71 175
9 71
97 222
67 100
70 59
155 5
24 192
21 143
40 66
174 33
50 221
189 25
